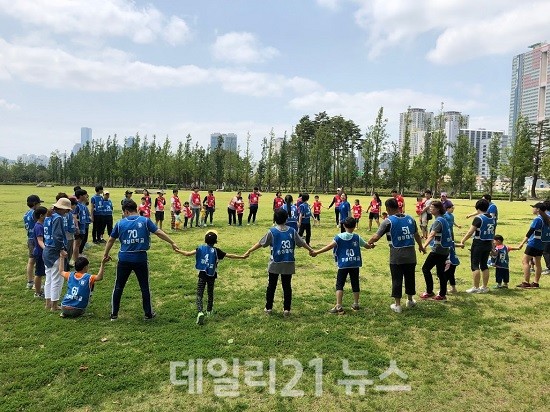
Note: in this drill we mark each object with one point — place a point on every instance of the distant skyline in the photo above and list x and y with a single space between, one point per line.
186 67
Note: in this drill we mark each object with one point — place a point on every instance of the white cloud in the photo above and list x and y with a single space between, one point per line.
99 18
241 48
329 4
8 106
114 70
465 29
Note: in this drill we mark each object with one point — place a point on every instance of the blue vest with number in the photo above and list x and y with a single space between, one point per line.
68 223
134 234
348 252
48 235
292 220
29 221
305 211
401 232
487 229
206 259
97 201
502 259
282 246
78 291
444 238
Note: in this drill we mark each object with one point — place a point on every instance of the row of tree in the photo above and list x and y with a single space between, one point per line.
320 155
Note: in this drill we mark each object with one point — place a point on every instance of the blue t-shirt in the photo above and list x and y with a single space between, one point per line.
78 291
134 234
493 211
28 220
345 209
535 240
305 211
282 247
347 251
402 231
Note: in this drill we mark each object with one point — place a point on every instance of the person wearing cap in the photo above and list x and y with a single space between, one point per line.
537 235
107 207
96 214
134 233
33 202
483 230
55 246
336 202
445 200
207 257
127 196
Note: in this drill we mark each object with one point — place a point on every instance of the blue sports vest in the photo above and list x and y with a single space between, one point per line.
68 223
292 220
282 246
134 233
306 212
487 229
78 291
48 223
401 232
348 252
83 217
444 238
107 207
502 259
97 201
206 259
28 219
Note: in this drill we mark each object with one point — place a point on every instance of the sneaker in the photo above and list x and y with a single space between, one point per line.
473 289
286 313
452 290
30 285
114 317
535 285
546 272
395 308
411 303
39 295
337 310
439 298
355 307
483 289
498 286
505 286
524 285
426 295
209 313
102 241
150 317
200 318
268 311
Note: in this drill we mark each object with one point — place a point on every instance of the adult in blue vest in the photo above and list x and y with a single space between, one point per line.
134 233
402 233
96 214
483 231
440 240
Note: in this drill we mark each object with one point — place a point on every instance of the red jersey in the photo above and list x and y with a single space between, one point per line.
419 207
317 208
374 206
175 204
144 210
196 199
337 201
187 212
278 202
239 206
400 203
357 210
159 204
253 198
210 201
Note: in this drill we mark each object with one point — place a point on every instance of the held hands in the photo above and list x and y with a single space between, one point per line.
312 253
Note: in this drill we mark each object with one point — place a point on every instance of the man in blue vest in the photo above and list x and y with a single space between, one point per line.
134 233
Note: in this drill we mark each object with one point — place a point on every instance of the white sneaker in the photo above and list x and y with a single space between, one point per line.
395 308
546 272
472 290
483 290
411 303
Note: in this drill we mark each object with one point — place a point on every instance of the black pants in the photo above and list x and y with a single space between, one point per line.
305 227
398 273
240 219
286 281
546 254
232 215
123 271
209 212
83 241
208 281
438 261
97 227
252 214
342 275
337 214
107 224
450 274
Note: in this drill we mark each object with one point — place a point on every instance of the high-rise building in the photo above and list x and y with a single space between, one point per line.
530 95
229 141
480 139
85 135
419 122
454 121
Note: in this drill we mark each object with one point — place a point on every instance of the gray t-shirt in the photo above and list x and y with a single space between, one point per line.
282 268
403 255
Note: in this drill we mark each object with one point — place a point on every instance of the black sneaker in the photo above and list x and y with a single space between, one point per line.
114 317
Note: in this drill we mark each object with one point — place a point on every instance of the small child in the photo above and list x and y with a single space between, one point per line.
502 261
206 262
357 210
282 240
144 209
347 253
79 287
187 214
203 216
178 222
419 205
317 206
384 215
39 269
239 207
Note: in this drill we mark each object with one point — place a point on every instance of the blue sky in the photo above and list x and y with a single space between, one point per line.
173 68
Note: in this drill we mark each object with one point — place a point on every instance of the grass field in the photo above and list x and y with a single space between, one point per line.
473 353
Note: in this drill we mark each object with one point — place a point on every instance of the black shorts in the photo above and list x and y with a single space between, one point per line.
374 215
531 251
480 254
317 216
342 275
159 215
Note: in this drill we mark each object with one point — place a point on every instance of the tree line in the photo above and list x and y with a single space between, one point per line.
320 154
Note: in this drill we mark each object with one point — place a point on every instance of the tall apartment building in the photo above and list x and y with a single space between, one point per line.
454 121
229 141
419 119
85 135
480 139
530 95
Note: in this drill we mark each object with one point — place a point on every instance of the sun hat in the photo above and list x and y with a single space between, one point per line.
63 203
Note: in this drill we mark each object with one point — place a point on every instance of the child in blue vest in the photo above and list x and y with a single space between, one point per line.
501 260
282 239
206 262
79 287
347 252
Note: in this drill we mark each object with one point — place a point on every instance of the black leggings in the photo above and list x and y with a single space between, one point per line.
438 261
286 281
205 280
123 271
307 228
232 216
252 214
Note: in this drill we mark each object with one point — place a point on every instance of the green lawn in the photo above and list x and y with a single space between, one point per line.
473 353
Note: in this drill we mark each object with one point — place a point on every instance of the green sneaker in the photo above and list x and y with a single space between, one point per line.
200 318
